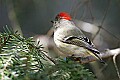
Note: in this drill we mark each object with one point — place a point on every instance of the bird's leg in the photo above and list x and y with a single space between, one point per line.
79 59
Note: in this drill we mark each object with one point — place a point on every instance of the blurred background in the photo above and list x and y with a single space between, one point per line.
99 20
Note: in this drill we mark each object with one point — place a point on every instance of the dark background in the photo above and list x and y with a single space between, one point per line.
32 17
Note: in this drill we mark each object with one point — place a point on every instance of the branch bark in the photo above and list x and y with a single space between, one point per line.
105 54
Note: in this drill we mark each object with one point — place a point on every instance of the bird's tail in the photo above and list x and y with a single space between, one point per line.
96 55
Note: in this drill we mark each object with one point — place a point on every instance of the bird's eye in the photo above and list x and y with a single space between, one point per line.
54 22
56 18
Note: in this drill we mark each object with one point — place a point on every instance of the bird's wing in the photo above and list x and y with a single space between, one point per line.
83 42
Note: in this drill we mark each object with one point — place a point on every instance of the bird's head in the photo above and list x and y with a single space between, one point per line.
61 19
63 15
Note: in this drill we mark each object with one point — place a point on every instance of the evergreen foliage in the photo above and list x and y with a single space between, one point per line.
21 59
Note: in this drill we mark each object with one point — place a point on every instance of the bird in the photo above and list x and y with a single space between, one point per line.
70 40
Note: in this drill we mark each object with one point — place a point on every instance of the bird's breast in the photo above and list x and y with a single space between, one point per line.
66 48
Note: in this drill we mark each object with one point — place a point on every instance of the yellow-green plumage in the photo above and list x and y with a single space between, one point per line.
70 40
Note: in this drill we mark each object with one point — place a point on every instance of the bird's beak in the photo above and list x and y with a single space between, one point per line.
52 21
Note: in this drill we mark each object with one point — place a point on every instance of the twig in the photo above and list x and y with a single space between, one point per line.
48 57
77 7
105 13
105 54
114 61
90 9
103 20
